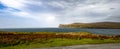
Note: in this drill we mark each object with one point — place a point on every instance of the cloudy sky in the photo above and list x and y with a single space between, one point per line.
51 13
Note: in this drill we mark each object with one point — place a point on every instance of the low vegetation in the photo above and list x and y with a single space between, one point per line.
24 40
98 25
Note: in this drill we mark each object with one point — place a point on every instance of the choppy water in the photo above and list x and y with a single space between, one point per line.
97 31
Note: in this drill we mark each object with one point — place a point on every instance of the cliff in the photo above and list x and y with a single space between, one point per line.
102 25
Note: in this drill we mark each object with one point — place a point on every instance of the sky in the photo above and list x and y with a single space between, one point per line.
51 13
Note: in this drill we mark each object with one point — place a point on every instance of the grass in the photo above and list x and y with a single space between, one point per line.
59 42
23 40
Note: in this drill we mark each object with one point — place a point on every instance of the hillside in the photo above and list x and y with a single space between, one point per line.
102 25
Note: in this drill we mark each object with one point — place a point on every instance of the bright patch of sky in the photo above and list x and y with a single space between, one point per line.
51 13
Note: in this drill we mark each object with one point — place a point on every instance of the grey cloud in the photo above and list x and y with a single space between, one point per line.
69 11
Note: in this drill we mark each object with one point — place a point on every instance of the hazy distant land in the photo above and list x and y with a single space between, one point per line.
96 25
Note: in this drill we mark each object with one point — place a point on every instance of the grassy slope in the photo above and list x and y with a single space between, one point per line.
92 25
59 42
53 42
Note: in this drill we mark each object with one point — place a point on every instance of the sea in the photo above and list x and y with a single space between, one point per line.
95 31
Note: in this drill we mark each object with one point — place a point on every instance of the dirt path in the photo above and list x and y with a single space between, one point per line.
96 46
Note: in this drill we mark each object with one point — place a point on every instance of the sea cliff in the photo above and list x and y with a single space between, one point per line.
100 25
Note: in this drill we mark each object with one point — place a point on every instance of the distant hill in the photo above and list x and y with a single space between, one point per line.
99 25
